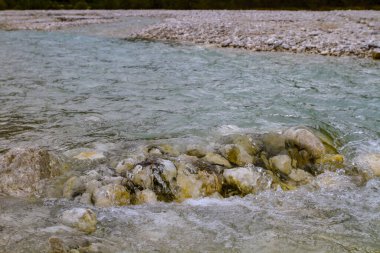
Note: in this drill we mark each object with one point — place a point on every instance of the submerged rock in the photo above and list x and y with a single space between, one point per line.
244 179
23 171
168 149
300 176
303 138
143 177
331 162
169 171
243 141
273 143
73 187
236 155
281 163
196 150
111 195
162 149
90 155
126 165
376 54
211 183
187 185
217 159
57 245
82 219
371 163
145 196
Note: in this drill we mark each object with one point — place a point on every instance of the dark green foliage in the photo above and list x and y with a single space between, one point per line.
3 5
190 4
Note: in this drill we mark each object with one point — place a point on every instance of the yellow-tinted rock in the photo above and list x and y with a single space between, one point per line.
89 155
82 219
331 161
145 196
244 179
196 150
274 143
126 165
142 177
56 245
303 138
236 155
210 183
22 171
217 159
188 185
282 163
246 142
300 158
111 195
376 55
73 187
298 175
168 149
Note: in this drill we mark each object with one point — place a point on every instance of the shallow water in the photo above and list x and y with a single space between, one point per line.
66 90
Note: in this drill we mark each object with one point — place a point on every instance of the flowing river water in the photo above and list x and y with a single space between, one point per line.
70 90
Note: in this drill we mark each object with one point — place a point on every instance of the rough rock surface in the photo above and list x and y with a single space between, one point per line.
23 171
303 138
282 163
245 179
111 195
371 162
82 219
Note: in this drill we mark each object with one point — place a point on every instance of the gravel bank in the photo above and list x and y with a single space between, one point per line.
337 33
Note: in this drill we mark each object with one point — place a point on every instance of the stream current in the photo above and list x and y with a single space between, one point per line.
69 90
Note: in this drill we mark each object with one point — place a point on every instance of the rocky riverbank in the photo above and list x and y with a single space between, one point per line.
85 183
336 33
238 164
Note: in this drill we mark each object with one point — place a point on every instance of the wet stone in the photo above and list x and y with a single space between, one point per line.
370 163
111 195
145 197
143 177
281 163
82 219
90 155
236 155
303 138
73 187
196 150
217 160
23 172
187 185
274 143
169 171
243 178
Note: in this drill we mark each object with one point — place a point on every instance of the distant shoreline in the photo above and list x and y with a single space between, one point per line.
335 33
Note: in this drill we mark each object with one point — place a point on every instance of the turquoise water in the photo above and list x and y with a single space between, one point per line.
66 90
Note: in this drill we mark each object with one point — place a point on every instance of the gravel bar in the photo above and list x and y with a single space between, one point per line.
335 33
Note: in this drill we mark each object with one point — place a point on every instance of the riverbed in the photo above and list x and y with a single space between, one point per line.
88 88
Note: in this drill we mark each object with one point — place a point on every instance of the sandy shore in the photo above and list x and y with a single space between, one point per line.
337 33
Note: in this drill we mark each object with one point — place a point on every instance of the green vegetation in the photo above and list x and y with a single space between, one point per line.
190 4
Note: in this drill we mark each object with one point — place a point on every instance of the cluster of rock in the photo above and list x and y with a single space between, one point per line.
238 164
335 33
